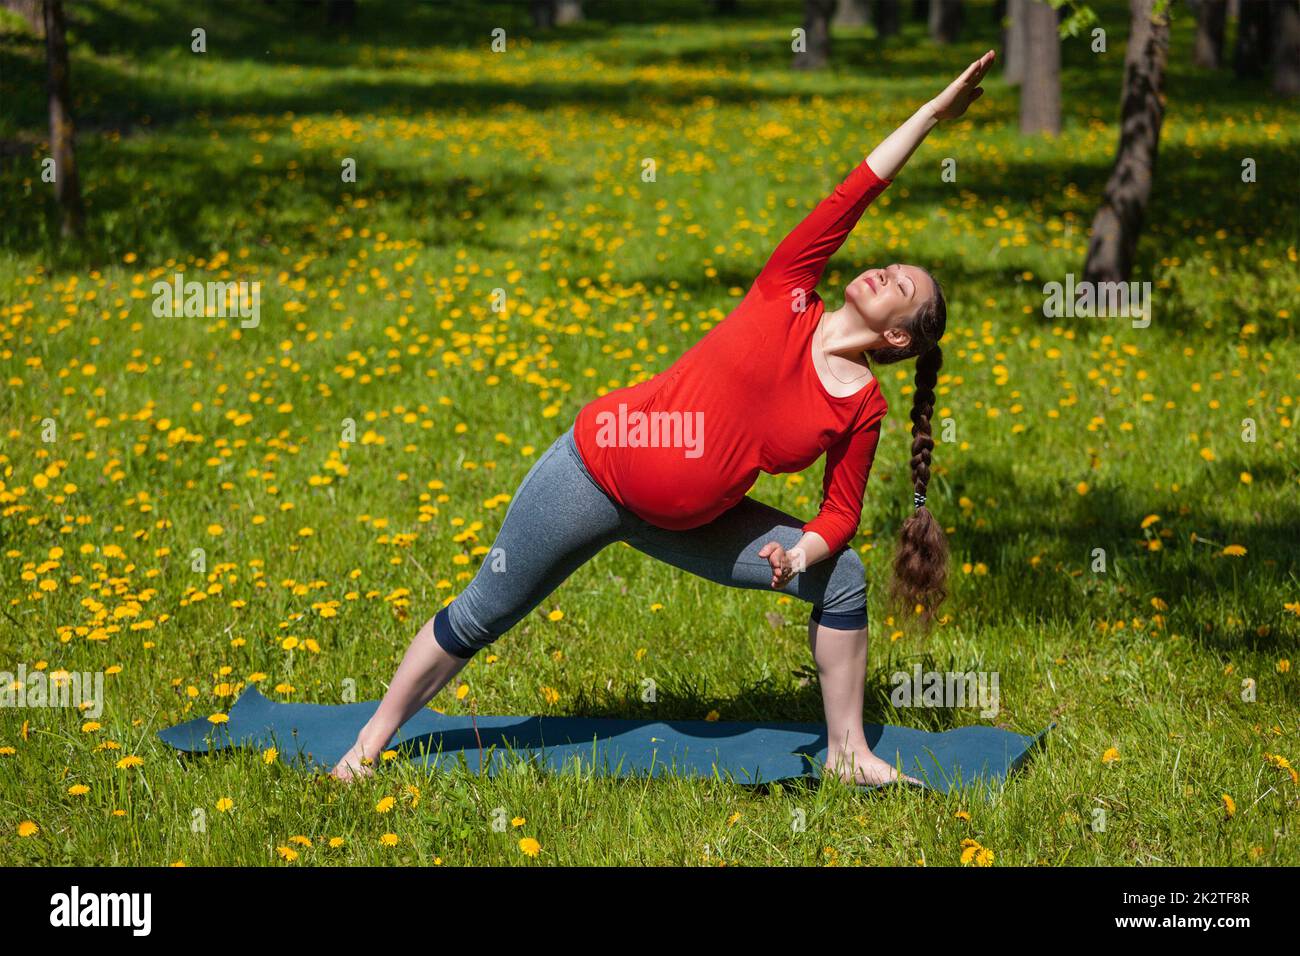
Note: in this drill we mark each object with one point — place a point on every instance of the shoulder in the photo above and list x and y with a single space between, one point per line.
874 405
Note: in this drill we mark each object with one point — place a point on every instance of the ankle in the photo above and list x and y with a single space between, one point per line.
850 746
372 742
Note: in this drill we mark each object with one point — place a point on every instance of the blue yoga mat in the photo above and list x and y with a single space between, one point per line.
315 736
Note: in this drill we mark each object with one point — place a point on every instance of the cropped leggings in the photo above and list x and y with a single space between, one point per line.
560 518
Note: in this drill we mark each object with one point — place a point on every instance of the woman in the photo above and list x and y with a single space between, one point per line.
664 465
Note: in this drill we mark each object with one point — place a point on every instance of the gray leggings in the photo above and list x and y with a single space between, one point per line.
560 518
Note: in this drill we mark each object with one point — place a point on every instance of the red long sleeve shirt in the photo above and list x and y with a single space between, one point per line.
686 445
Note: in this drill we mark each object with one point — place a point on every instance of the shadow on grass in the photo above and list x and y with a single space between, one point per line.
218 206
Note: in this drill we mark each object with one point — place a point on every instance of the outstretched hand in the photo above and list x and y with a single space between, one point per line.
963 91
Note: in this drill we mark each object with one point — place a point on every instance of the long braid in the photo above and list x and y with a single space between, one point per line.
921 564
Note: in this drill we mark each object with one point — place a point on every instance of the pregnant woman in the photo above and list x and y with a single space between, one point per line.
665 464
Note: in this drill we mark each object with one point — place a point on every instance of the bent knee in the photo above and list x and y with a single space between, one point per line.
844 604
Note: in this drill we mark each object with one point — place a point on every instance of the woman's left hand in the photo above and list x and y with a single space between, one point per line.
963 91
785 564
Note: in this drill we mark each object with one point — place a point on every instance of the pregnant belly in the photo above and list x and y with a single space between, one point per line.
672 491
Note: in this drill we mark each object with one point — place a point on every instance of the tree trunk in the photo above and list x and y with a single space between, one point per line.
1014 50
1118 222
1040 91
543 14
567 11
341 13
887 16
1211 19
945 20
1286 55
921 10
817 35
851 13
67 188
1254 38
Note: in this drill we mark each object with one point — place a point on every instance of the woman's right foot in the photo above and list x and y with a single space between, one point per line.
863 768
354 764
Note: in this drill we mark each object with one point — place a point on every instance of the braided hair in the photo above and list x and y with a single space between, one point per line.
920 571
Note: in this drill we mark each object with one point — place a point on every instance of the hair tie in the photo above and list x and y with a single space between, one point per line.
918 498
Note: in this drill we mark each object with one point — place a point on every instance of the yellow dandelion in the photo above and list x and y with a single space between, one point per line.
555 615
28 828
1234 551
225 804
529 846
1111 755
126 763
78 790
389 839
385 805
1229 805
287 853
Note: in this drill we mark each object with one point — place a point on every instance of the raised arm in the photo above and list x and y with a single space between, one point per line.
889 158
800 260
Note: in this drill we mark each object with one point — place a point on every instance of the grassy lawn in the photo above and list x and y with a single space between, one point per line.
1169 673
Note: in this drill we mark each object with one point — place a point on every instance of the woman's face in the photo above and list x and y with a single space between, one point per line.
886 299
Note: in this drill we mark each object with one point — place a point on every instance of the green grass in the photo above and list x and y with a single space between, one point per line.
521 171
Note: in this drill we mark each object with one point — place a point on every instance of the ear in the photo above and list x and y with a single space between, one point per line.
898 338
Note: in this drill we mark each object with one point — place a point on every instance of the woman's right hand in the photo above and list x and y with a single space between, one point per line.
963 91
785 564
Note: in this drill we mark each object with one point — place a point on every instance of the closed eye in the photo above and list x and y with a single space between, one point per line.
910 284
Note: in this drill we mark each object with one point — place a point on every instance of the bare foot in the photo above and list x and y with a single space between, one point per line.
354 764
863 768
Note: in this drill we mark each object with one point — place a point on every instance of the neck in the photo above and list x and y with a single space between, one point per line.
844 333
